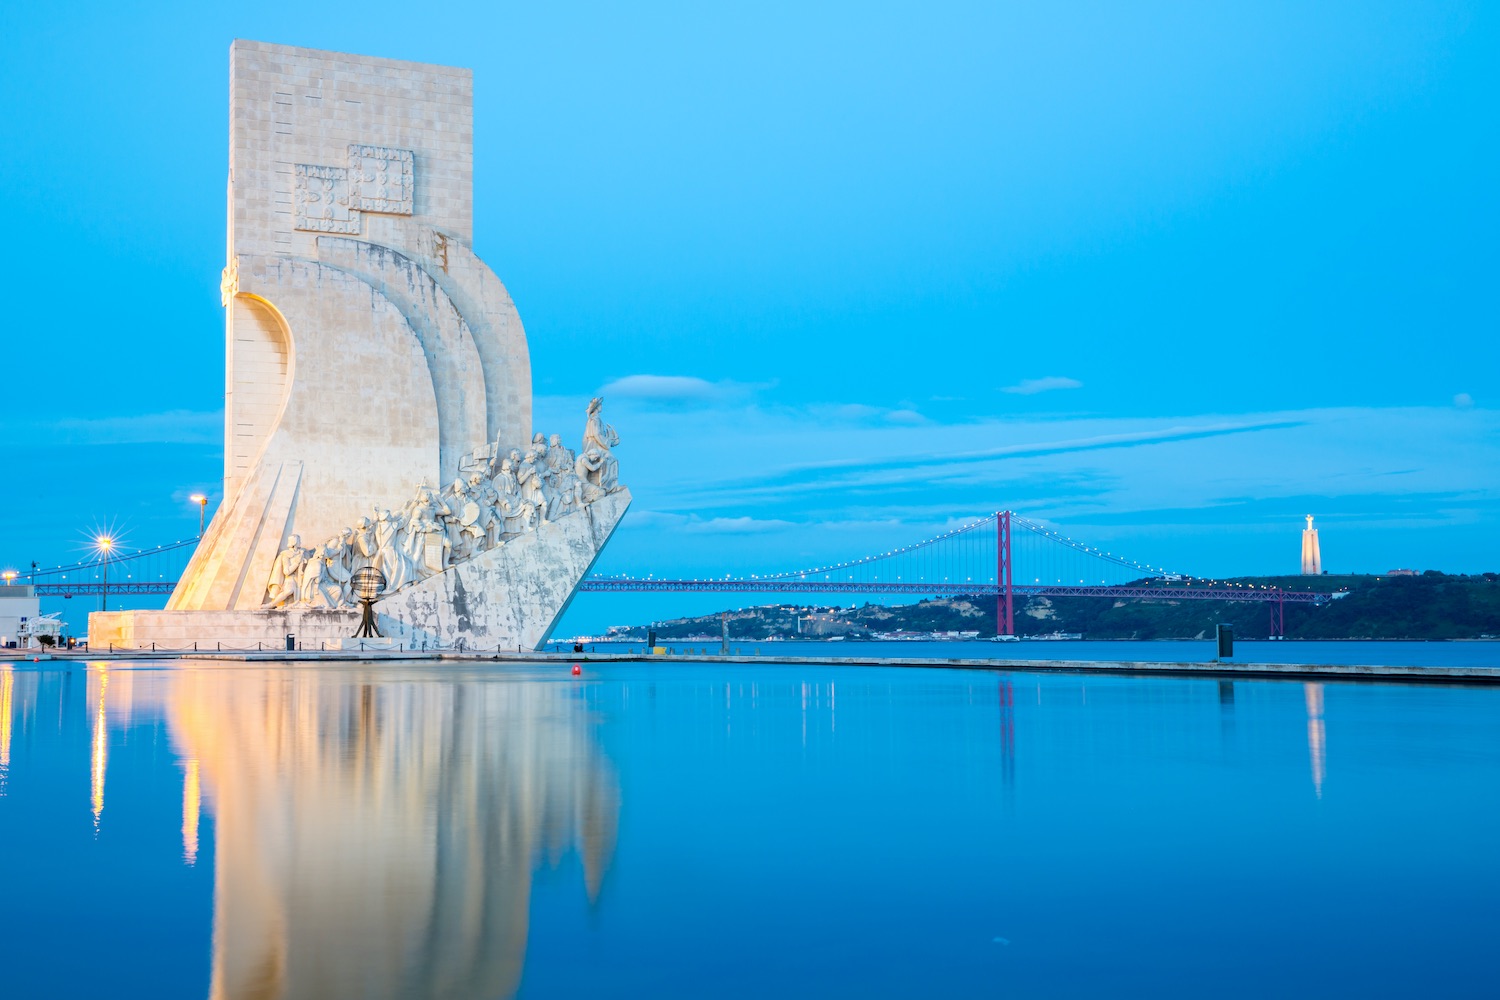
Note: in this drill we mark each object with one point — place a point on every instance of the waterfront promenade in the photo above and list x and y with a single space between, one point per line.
1383 673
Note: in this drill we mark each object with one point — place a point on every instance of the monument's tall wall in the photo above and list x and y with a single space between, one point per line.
378 442
367 347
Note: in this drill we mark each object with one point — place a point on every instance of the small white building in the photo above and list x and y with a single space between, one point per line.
38 627
18 606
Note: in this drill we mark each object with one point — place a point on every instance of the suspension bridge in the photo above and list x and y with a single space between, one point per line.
1004 556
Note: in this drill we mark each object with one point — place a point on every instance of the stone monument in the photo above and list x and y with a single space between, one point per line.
378 384
1312 555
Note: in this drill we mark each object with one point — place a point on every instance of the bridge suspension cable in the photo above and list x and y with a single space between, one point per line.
116 557
1046 532
867 560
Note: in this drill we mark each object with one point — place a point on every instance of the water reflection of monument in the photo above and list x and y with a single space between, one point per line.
376 838
1317 738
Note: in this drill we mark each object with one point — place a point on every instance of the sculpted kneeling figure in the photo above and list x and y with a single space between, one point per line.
286 574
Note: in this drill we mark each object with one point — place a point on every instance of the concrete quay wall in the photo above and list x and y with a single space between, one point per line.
1482 676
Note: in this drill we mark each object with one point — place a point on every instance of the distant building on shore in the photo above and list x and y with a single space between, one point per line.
1312 558
18 606
1401 572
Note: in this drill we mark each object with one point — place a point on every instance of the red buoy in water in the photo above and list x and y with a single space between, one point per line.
577 670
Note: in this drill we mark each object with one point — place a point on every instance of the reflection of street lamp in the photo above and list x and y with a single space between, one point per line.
103 544
202 502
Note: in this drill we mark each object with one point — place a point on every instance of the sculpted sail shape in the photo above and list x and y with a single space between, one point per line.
378 382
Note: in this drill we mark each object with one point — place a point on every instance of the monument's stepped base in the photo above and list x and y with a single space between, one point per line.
506 598
220 630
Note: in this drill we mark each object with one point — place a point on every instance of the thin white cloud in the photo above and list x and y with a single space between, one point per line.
905 417
1032 386
863 413
676 389
706 526
738 526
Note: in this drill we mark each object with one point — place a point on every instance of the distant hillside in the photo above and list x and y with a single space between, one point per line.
1431 606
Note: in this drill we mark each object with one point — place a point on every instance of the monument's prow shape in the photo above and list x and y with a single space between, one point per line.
369 354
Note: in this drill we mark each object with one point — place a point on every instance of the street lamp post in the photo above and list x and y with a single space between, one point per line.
202 502
104 544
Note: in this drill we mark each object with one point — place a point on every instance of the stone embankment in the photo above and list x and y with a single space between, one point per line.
1208 669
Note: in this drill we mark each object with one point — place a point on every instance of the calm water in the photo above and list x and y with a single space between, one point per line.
1394 653
660 830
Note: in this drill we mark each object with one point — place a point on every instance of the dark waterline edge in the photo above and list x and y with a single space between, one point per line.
1469 676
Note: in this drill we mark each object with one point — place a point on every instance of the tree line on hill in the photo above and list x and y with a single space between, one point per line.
1432 605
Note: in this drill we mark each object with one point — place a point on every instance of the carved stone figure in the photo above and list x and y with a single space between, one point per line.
390 557
427 543
346 552
513 512
529 478
596 433
601 437
319 583
286 574
465 532
340 560
362 548
482 491
560 459
480 460
590 469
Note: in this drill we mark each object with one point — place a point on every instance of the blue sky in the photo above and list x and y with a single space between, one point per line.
1167 275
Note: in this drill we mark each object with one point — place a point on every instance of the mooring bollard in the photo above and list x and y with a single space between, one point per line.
1224 643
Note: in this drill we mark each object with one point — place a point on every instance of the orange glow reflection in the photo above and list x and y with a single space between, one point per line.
99 754
190 806
7 685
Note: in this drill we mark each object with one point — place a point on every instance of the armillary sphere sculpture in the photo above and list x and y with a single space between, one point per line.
368 584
